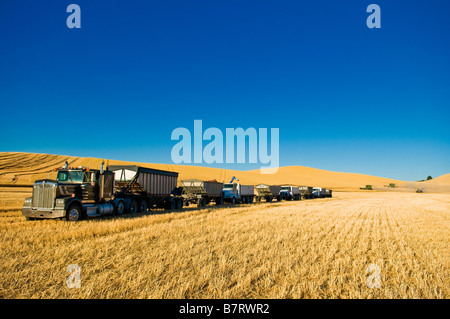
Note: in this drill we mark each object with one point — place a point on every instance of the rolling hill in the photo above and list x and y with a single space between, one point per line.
24 168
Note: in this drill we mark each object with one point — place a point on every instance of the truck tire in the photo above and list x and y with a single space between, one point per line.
268 199
74 213
143 206
201 202
133 207
179 204
119 208
219 201
233 201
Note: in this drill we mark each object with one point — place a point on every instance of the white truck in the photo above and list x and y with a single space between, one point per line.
289 192
319 192
238 193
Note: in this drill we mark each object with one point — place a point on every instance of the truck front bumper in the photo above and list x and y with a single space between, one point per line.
39 213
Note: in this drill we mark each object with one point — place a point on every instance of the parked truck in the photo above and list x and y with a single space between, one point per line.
289 192
319 192
268 192
238 193
306 192
79 192
200 193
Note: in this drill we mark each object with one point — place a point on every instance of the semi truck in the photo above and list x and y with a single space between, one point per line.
268 192
289 192
79 192
238 193
318 192
200 193
306 192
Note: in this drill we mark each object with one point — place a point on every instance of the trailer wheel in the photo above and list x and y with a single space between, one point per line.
74 213
179 204
201 202
29 218
173 204
133 207
219 201
119 208
143 206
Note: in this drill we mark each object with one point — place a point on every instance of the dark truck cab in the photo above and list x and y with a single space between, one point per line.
76 193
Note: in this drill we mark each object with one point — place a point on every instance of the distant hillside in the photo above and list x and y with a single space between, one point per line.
441 179
24 168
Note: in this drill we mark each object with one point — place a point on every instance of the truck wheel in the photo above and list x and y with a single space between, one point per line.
233 201
143 206
133 207
201 202
119 209
179 204
74 213
219 201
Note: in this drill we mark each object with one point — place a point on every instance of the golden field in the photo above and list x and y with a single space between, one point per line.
305 249
317 248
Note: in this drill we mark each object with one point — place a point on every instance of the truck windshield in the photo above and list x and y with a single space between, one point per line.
228 186
285 188
70 176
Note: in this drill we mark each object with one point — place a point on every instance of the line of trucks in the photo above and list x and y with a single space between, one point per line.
79 192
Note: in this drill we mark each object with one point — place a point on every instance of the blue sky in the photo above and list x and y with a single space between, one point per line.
345 97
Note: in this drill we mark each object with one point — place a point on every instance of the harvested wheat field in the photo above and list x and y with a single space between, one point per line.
302 249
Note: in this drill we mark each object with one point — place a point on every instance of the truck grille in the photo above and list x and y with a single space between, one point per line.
44 195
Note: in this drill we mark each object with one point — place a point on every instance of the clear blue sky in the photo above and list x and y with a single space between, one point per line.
345 97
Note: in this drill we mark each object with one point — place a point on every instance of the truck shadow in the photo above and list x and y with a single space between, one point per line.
161 211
